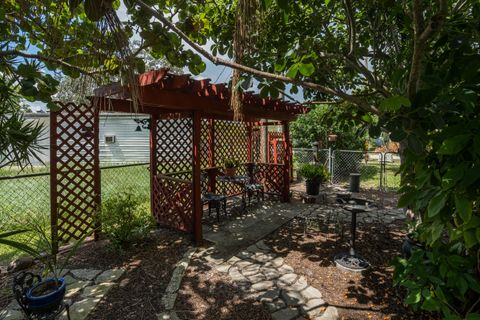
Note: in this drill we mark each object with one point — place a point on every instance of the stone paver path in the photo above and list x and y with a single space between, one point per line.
85 288
266 277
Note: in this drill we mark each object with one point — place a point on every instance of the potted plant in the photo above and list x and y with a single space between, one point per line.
46 294
314 176
230 166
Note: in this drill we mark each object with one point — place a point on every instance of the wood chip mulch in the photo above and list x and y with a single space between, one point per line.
366 295
149 266
207 294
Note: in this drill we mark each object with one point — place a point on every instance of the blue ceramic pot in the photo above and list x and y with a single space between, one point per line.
54 292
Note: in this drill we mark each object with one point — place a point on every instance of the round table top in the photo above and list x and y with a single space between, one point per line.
357 208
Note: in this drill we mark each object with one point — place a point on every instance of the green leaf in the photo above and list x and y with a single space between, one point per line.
454 145
464 207
470 238
394 103
473 316
292 71
413 297
306 69
327 2
282 4
436 204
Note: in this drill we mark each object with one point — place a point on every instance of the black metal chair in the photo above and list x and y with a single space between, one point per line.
22 282
253 186
212 199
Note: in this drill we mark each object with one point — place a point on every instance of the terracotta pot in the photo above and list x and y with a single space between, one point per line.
230 172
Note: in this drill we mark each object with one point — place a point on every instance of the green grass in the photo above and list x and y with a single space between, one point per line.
29 197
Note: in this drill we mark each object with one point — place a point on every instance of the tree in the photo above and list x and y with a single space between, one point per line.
407 67
323 120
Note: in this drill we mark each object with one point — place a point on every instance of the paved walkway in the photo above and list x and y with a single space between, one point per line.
235 233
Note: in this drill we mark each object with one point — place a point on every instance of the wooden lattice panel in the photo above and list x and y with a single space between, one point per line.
275 147
174 204
172 199
174 147
205 143
256 144
75 171
271 175
231 142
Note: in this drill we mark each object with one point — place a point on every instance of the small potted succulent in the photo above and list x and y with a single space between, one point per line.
231 166
315 175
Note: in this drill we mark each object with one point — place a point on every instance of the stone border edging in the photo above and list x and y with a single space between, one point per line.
168 299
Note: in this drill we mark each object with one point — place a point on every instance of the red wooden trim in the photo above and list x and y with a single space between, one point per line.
275 154
153 160
97 172
197 201
53 181
286 161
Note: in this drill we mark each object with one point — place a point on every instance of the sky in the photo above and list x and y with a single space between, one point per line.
217 74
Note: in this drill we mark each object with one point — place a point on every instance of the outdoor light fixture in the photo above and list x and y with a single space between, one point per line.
142 124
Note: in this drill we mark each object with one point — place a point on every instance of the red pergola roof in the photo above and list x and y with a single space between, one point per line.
164 92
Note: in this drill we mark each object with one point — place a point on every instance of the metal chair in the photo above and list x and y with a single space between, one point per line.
212 199
22 282
253 186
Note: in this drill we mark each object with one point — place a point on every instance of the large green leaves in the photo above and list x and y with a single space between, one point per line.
454 145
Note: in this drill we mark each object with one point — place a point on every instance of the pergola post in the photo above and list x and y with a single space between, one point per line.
197 201
286 161
153 158
53 181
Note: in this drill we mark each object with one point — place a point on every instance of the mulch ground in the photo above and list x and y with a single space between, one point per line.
149 265
207 294
366 295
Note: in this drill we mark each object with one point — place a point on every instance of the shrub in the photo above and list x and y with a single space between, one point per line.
126 218
314 173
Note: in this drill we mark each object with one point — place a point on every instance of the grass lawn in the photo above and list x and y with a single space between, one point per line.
28 196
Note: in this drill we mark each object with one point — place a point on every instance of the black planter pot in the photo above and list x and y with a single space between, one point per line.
313 187
409 245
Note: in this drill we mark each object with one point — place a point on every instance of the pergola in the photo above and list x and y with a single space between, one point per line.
191 131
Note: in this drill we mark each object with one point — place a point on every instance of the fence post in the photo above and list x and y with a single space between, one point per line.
331 159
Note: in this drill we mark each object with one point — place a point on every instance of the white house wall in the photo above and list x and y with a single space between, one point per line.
130 146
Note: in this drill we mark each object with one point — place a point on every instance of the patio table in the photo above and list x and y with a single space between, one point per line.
238 180
350 260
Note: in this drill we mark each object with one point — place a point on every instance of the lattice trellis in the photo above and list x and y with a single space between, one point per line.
275 147
205 143
174 146
75 178
172 199
231 142
272 177
256 144
174 202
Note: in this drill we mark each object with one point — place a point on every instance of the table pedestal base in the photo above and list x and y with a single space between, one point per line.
347 261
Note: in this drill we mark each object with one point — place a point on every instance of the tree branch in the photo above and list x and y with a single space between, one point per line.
421 36
351 26
267 75
45 59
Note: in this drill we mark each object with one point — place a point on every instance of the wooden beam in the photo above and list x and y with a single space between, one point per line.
153 160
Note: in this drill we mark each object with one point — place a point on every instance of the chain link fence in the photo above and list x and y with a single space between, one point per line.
377 170
24 196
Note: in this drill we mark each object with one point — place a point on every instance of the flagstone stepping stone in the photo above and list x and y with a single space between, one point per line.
109 275
85 274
